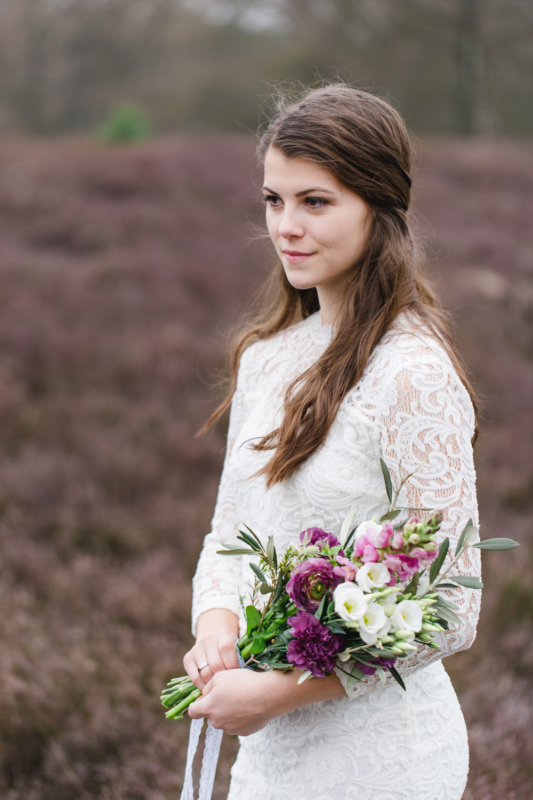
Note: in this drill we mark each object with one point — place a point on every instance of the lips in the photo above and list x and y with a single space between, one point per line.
296 256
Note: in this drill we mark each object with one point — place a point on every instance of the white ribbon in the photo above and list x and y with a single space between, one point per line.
213 740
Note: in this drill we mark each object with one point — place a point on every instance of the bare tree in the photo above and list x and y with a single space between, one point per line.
475 114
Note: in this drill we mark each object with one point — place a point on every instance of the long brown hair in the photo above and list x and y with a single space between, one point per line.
363 141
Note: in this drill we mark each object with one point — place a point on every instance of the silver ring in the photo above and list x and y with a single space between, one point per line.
202 665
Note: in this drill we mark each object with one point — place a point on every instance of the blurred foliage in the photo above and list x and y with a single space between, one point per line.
125 123
463 67
121 272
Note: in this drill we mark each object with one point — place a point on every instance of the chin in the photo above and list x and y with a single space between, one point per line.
300 281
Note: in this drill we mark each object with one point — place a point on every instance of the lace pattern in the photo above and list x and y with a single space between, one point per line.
409 408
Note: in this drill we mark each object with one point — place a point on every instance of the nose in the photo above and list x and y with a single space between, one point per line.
289 225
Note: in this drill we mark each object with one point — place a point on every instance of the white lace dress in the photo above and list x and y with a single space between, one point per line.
377 742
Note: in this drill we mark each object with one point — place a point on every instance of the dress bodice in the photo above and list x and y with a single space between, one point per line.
409 407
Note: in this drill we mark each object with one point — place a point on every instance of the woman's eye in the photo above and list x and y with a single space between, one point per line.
316 202
271 200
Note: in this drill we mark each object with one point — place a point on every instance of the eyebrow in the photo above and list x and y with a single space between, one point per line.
304 191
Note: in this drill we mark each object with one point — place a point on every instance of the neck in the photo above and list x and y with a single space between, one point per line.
329 304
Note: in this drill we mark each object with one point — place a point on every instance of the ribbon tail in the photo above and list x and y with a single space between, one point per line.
213 740
194 736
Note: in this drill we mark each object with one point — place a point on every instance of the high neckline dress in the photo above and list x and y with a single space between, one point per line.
376 742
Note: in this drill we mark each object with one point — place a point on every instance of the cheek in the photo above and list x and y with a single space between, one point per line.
272 227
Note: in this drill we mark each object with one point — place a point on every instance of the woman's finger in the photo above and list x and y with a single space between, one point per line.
191 660
228 651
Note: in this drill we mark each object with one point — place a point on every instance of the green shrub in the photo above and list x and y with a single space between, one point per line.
126 122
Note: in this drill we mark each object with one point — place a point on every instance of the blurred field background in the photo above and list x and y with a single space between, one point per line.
122 269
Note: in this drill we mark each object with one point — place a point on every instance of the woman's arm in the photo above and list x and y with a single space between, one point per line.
426 424
241 702
216 581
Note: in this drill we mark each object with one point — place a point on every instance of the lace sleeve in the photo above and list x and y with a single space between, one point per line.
215 584
428 422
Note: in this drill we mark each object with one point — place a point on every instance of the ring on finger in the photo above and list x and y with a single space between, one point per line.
202 665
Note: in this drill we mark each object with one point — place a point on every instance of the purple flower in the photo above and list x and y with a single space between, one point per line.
314 647
369 669
316 536
310 581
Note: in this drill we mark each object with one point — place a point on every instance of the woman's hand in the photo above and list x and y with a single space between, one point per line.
240 702
243 702
217 634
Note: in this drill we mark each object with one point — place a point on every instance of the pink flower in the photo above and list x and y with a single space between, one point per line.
397 541
365 550
402 565
383 538
348 570
369 554
423 555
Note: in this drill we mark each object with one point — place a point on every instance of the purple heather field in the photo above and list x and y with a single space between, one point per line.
122 270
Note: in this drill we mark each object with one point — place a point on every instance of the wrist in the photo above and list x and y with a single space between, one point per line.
217 619
283 693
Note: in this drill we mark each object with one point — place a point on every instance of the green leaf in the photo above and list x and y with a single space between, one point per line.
447 586
397 677
497 544
413 585
253 618
399 525
387 479
304 676
346 528
258 646
466 580
278 589
445 612
257 539
390 515
320 609
461 539
259 572
236 551
414 508
439 561
265 588
335 627
272 557
247 539
355 676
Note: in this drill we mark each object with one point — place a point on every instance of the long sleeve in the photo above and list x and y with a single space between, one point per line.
427 423
216 581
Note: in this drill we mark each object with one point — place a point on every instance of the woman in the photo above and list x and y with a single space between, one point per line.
353 362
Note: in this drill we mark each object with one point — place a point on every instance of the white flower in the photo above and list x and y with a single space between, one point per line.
370 524
350 602
372 576
407 616
372 622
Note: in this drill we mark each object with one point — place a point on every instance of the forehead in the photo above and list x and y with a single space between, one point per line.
292 175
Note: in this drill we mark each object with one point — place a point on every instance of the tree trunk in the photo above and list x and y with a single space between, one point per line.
474 112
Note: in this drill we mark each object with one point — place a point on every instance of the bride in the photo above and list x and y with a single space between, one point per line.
351 361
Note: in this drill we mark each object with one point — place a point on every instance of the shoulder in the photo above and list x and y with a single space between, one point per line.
411 373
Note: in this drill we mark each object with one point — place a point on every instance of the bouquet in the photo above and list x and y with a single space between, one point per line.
369 596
